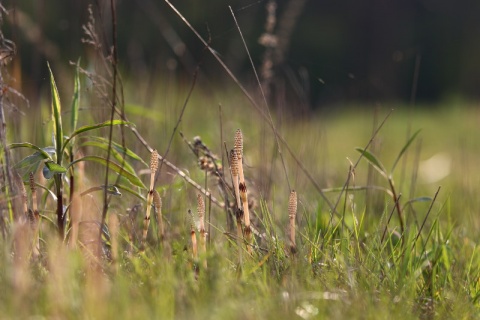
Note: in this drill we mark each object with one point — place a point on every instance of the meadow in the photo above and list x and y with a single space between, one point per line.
117 208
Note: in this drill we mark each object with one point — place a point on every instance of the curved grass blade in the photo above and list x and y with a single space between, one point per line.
43 151
419 199
57 115
130 176
76 98
120 149
115 154
131 191
405 147
93 127
372 159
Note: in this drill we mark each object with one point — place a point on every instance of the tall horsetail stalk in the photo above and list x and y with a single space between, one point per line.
153 171
157 203
193 238
238 210
238 147
292 213
201 227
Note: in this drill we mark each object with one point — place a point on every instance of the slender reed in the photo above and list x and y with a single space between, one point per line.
153 171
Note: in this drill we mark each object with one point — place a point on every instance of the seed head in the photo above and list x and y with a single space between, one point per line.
238 143
234 162
157 201
154 162
200 207
292 204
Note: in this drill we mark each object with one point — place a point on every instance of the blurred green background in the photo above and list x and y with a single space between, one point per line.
335 52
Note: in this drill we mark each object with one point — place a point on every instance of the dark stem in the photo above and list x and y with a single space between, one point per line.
397 205
60 216
113 107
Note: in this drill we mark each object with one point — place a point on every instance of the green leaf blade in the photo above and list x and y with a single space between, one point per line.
372 159
130 176
404 149
57 115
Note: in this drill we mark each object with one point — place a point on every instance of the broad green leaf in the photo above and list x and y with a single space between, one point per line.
130 176
373 161
76 98
29 164
93 127
44 151
51 168
57 115
405 147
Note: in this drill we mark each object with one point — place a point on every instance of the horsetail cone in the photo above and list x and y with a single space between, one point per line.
201 212
153 167
238 143
234 169
292 212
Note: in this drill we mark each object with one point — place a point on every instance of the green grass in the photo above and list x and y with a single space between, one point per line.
342 268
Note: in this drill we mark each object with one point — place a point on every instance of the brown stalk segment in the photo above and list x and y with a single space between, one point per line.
292 213
193 237
246 216
238 147
157 203
234 169
153 170
203 234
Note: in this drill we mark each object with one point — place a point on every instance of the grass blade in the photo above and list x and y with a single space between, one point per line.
76 99
405 147
93 127
130 176
372 159
57 116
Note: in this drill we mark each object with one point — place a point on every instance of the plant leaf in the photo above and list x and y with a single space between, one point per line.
405 147
76 98
51 168
419 199
130 176
372 159
45 152
131 191
115 154
93 127
57 115
115 146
